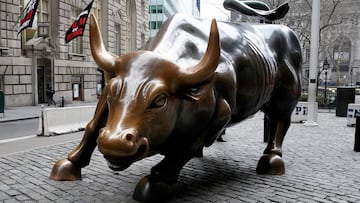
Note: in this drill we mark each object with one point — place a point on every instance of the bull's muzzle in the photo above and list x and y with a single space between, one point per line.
121 149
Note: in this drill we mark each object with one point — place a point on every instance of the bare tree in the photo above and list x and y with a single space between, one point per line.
337 24
338 21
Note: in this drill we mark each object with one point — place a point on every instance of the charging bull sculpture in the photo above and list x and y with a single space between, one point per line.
177 94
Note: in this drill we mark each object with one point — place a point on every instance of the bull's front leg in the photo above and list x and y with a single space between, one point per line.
70 167
271 161
157 186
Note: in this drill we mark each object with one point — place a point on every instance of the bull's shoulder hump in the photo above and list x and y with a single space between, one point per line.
278 37
178 25
276 31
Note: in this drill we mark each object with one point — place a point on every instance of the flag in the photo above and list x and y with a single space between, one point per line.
77 28
28 15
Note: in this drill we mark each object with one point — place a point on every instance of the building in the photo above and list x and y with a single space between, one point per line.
39 56
339 38
160 10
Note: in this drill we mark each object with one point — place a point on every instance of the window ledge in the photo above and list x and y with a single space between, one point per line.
76 56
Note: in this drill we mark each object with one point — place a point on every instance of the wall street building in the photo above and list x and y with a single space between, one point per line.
160 10
39 57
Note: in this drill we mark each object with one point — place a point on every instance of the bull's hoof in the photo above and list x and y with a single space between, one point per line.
65 170
271 164
150 190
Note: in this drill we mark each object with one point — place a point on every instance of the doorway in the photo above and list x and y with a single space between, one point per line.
43 79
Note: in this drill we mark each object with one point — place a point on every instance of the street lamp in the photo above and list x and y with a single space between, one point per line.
43 29
325 68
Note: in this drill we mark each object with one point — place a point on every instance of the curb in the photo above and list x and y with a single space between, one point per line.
17 119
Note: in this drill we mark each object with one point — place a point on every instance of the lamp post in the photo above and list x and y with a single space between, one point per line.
325 68
351 75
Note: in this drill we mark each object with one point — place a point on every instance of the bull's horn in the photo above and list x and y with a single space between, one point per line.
208 64
104 59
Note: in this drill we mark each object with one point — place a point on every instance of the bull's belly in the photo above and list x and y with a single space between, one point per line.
247 106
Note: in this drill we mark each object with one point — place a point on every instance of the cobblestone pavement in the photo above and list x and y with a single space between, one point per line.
321 166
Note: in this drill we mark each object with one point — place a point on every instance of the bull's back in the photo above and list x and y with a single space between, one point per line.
251 57
270 62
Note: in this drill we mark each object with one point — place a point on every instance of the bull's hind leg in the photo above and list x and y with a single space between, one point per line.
271 161
278 112
70 167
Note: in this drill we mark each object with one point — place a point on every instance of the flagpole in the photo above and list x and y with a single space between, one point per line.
314 52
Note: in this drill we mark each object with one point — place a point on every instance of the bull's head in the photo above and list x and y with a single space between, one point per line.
144 93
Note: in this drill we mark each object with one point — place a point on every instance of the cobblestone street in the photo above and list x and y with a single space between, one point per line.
321 166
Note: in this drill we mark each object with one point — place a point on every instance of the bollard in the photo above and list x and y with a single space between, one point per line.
2 103
357 134
41 121
62 102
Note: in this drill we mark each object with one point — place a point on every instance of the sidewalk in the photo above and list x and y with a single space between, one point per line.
20 113
31 112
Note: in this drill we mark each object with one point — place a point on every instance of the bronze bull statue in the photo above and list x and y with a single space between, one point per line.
177 94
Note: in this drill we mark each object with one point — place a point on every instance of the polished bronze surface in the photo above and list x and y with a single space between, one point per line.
257 8
177 94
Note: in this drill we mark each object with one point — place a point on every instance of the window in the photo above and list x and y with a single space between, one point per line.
153 25
77 87
307 73
152 9
43 12
76 44
117 39
100 83
159 9
155 9
198 4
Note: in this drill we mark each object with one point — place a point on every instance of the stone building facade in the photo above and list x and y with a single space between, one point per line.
32 60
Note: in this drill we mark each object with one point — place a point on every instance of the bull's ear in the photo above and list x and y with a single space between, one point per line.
205 69
104 59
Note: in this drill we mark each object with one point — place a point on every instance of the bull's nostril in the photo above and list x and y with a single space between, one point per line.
129 137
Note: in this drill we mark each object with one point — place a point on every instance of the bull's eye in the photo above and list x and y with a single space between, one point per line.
159 101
